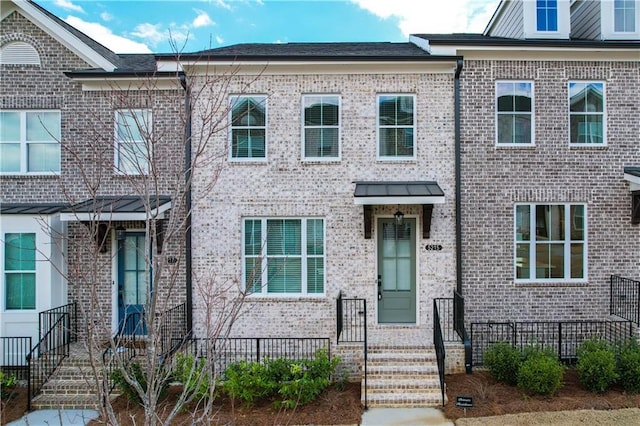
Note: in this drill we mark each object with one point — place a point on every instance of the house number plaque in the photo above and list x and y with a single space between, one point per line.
433 247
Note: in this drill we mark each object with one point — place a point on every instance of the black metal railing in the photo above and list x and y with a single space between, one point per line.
47 355
459 327
13 352
222 352
438 342
351 321
625 298
563 337
445 309
172 328
47 318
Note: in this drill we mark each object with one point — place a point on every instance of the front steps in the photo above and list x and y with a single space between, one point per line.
402 376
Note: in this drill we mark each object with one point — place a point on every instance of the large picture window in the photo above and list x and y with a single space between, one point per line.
30 142
133 141
248 127
550 242
586 113
20 270
396 126
284 256
547 15
321 135
514 113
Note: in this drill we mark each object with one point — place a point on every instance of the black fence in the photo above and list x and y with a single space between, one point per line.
439 346
625 298
13 353
172 328
444 306
351 324
46 320
563 338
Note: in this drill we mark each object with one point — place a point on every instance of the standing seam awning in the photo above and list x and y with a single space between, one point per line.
384 193
117 208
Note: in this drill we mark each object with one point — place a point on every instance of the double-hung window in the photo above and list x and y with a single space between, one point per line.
514 113
321 133
284 256
30 142
547 15
396 126
624 16
248 127
587 113
133 141
20 270
550 242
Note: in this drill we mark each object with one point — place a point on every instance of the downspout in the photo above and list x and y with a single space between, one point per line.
458 173
187 180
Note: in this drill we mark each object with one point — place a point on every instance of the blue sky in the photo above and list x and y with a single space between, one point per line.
143 26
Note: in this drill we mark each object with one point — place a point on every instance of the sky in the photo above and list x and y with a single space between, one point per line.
168 26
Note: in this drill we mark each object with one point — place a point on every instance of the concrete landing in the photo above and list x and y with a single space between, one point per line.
404 417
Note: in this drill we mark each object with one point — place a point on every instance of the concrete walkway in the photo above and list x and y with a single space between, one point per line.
56 418
404 417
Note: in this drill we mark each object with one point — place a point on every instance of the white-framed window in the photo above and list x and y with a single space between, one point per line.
248 127
133 143
547 15
284 256
587 122
396 126
20 271
30 142
550 242
625 16
321 127
514 113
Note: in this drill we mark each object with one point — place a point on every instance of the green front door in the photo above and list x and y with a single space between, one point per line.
396 271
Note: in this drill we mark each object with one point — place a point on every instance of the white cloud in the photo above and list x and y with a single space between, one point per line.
219 39
66 4
433 16
104 36
155 34
223 4
202 20
106 16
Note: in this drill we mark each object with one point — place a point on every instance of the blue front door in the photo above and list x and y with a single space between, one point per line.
133 282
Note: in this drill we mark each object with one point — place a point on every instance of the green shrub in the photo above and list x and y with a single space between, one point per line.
540 373
503 361
7 383
628 366
247 381
135 371
192 375
596 365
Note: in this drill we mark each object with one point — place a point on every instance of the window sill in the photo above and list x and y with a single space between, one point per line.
289 298
527 146
587 146
29 176
550 283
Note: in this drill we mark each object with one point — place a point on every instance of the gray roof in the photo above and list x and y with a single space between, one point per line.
32 208
633 171
317 51
398 189
117 204
483 40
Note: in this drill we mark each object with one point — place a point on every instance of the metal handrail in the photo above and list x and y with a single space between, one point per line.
459 327
354 330
439 347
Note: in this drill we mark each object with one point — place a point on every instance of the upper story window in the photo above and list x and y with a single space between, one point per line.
396 126
587 113
514 113
321 133
248 127
624 16
20 270
133 141
550 242
30 142
284 256
547 15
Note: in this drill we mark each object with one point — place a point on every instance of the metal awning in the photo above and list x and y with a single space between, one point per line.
383 193
632 174
112 208
31 209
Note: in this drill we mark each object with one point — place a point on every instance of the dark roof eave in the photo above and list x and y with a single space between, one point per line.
488 41
121 74
302 58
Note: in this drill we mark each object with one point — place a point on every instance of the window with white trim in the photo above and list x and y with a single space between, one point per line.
550 242
30 142
547 15
321 126
133 143
20 271
514 113
587 113
284 256
624 16
248 127
396 126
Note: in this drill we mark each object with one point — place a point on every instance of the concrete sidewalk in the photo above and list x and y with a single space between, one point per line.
56 418
404 417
